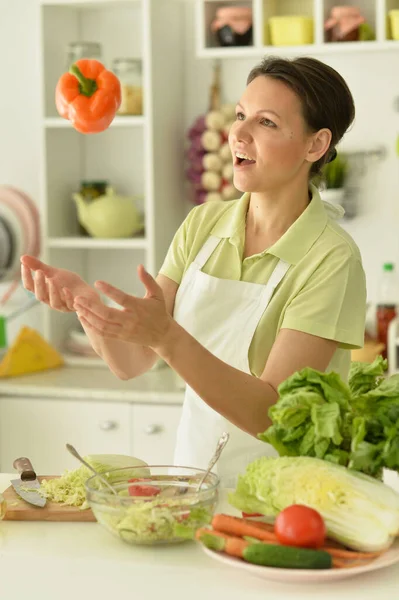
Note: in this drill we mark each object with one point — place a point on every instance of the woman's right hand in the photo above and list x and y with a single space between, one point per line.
55 287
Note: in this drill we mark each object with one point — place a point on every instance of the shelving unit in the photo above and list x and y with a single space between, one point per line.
375 11
139 156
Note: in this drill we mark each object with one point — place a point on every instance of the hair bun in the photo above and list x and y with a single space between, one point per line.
332 155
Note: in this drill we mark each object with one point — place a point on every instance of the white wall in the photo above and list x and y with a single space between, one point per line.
19 114
371 77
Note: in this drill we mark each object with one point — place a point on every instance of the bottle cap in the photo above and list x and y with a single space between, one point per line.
388 266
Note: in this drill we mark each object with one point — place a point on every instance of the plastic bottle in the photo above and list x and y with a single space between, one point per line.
387 304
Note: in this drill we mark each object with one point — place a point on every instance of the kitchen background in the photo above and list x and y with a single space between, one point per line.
372 202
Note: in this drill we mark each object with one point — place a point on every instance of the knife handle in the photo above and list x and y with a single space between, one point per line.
24 468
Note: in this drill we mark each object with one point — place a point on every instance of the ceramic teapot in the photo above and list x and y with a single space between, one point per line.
109 216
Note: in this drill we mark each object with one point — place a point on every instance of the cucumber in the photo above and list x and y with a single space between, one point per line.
287 557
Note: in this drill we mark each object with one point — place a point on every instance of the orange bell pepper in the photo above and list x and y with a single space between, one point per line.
88 96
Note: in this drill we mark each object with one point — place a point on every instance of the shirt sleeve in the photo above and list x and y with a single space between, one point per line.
176 258
332 304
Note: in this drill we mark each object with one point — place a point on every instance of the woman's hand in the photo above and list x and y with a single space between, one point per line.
144 321
55 287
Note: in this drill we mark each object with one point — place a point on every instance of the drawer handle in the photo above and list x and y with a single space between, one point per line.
108 425
153 429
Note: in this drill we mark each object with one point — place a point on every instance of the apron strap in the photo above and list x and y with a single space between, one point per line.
276 277
206 251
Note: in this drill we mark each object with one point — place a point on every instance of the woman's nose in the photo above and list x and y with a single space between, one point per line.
241 132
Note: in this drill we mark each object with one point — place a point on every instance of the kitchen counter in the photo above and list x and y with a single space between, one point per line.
94 383
47 561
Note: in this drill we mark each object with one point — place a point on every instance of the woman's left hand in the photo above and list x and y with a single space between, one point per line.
144 321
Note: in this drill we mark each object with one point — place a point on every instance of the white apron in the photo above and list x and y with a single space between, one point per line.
222 315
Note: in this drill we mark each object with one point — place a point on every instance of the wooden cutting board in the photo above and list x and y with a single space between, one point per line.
19 510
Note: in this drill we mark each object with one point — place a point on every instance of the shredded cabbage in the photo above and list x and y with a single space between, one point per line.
69 489
359 511
152 521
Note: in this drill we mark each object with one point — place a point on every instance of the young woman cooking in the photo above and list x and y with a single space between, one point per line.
251 290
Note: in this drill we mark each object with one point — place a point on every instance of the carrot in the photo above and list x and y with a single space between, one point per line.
221 542
241 527
351 554
235 546
260 525
345 564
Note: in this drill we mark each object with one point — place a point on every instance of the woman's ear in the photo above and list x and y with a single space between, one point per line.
319 145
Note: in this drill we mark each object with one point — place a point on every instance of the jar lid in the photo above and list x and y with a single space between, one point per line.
96 46
127 63
89 182
228 12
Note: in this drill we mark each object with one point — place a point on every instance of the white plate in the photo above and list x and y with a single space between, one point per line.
387 559
306 575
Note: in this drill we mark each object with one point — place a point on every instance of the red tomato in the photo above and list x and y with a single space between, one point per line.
299 525
142 490
183 517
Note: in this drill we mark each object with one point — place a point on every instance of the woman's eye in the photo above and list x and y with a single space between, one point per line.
267 123
240 116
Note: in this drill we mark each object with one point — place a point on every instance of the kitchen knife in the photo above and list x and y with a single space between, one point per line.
29 480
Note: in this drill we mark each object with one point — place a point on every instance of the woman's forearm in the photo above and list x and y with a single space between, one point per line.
240 397
125 359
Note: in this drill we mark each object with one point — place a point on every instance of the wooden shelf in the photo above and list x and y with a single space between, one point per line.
121 121
97 243
308 49
88 3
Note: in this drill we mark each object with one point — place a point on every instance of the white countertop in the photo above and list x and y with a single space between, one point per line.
96 383
79 561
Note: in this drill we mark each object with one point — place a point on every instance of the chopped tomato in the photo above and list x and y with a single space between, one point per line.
302 526
183 517
142 490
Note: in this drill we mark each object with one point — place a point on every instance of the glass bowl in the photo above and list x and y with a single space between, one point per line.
161 507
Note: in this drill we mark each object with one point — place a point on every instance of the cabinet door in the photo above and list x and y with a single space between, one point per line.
40 429
154 429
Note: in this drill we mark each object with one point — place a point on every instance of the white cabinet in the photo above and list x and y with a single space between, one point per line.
40 429
154 432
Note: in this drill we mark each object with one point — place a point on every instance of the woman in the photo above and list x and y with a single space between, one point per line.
251 290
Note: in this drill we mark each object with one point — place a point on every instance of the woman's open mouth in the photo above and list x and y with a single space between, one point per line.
242 160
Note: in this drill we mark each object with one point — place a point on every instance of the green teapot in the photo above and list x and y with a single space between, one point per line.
109 216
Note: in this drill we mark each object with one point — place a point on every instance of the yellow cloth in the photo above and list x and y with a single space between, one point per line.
29 353
323 292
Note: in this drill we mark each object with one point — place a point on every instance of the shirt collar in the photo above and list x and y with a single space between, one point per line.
295 242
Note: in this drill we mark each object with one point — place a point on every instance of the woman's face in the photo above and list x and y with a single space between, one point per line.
271 132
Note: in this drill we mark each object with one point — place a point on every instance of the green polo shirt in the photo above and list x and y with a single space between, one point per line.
323 292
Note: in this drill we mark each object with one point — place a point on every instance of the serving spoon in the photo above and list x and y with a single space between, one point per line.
76 454
173 491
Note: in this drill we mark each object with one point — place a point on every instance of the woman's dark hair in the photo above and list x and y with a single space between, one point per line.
324 95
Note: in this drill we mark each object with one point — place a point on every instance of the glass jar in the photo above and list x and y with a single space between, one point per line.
233 26
129 73
78 50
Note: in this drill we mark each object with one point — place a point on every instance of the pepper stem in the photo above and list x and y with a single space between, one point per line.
87 86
